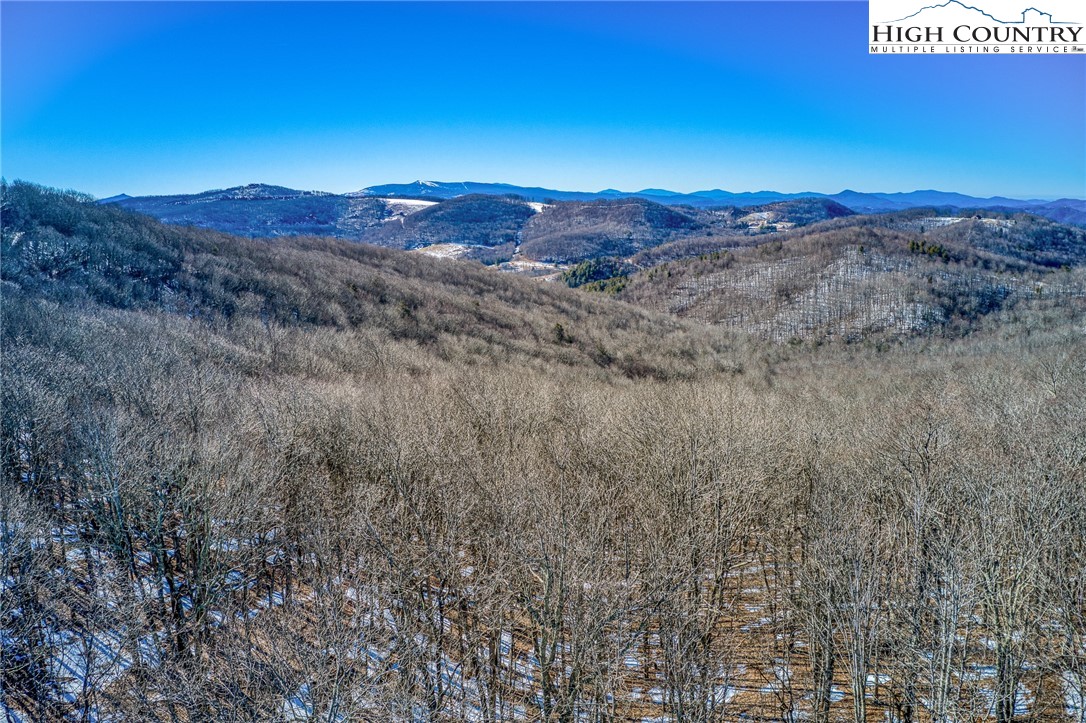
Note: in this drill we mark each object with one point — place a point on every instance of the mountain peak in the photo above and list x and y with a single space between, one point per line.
115 199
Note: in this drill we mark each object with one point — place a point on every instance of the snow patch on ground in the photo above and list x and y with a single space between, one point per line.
1074 695
444 251
877 679
941 221
299 706
532 268
10 714
400 208
408 202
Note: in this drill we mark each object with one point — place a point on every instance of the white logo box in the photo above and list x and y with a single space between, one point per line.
1026 27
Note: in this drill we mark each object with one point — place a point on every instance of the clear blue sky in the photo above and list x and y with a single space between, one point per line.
148 98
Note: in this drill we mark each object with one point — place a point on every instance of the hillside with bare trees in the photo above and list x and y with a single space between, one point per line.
870 277
307 479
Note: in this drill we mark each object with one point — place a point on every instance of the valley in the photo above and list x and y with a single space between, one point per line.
793 270
828 473
800 269
737 374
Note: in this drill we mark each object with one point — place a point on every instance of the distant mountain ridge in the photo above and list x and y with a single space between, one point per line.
367 207
800 269
857 201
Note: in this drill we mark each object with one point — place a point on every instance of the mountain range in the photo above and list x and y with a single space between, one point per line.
541 231
796 269
1064 210
860 202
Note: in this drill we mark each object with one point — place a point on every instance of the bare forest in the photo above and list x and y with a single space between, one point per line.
309 479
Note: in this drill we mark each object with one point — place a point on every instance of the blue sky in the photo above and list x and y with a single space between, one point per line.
147 97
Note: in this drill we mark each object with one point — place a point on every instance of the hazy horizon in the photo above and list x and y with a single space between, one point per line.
266 182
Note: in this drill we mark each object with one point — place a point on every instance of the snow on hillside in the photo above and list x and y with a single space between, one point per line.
400 208
444 251
407 203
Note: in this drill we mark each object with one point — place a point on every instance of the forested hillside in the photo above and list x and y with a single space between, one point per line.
491 222
307 479
61 248
263 211
577 231
866 277
483 226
